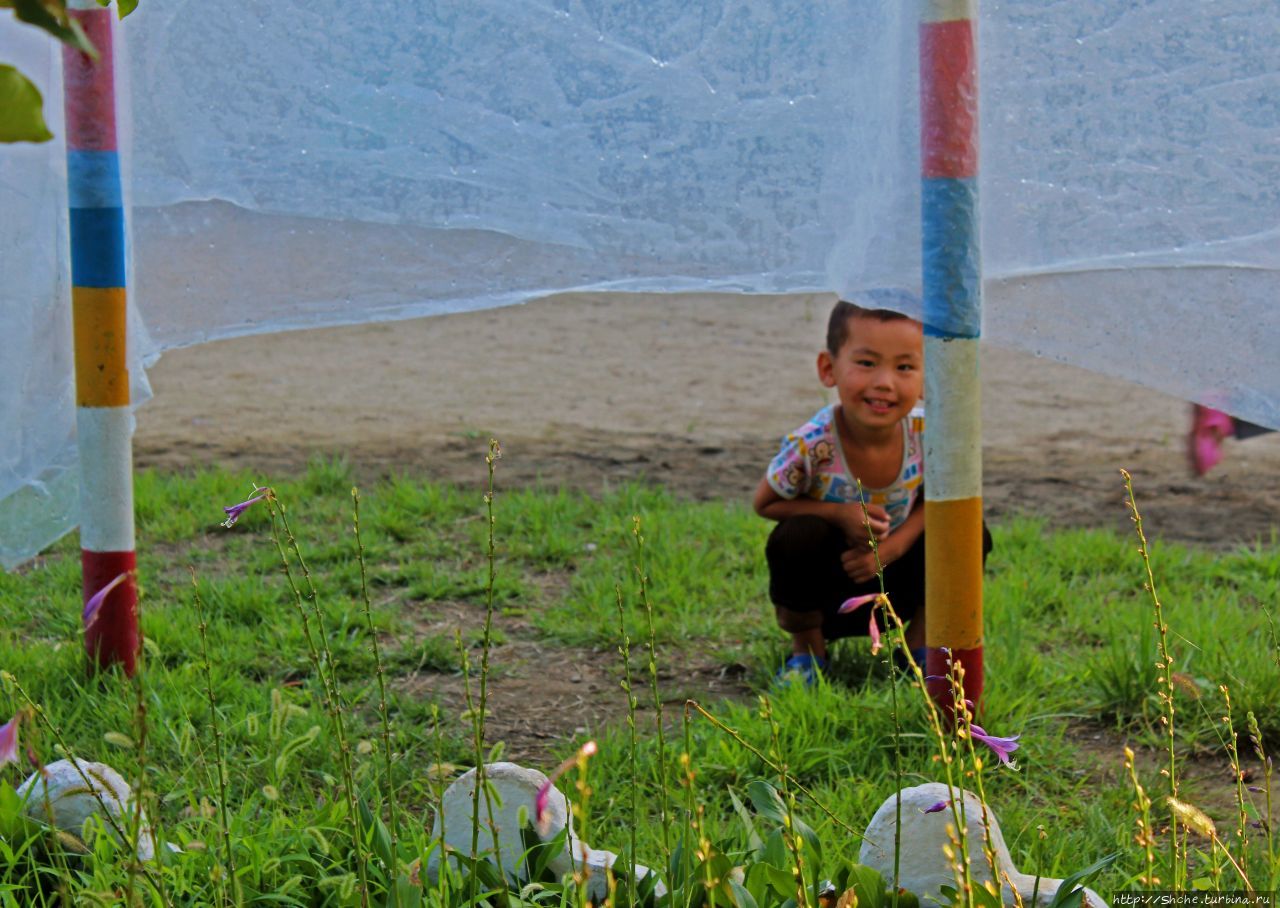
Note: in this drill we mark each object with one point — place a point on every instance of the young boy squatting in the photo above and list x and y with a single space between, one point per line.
819 554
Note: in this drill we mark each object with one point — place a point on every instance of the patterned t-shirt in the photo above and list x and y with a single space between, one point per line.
811 464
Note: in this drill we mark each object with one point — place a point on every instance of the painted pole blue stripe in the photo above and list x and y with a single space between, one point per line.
97 247
952 294
93 179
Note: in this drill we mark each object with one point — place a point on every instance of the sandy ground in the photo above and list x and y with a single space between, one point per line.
691 391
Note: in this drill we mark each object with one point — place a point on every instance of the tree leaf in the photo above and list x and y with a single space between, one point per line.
62 27
21 109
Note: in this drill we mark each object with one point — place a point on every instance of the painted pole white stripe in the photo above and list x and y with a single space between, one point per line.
105 437
947 10
953 408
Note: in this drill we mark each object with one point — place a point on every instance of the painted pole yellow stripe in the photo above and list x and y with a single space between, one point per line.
102 366
953 568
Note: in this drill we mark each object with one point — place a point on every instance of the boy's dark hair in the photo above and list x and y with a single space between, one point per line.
844 312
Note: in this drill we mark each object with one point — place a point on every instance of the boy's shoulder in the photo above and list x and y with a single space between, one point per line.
818 424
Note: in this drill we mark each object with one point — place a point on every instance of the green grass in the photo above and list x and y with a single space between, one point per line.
1069 647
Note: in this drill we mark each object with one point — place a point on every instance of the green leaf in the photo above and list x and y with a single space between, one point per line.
775 850
126 7
868 884
408 895
64 28
753 838
767 802
373 827
741 895
758 881
1071 891
21 109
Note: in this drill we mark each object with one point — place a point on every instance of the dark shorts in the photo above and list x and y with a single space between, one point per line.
805 575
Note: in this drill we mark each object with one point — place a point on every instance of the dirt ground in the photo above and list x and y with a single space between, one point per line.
694 392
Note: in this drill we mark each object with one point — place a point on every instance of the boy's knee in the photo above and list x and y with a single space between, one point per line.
796 622
797 537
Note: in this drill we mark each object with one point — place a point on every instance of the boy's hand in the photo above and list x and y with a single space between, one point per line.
859 562
854 523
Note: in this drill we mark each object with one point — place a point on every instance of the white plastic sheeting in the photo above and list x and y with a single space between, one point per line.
306 164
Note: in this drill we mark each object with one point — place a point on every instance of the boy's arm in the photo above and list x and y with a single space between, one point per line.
846 515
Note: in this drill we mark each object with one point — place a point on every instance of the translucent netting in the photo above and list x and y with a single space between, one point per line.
329 162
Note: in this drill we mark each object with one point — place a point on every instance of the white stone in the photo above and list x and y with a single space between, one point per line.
514 787
60 797
924 869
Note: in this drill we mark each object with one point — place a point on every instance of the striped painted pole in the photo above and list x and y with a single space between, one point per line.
103 418
953 317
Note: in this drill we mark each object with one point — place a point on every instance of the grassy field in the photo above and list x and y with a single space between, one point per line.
1071 651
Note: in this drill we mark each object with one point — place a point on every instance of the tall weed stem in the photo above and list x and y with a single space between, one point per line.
664 808
794 841
479 713
1233 753
1165 679
384 718
323 663
220 760
1255 737
900 640
624 650
482 779
140 783
1146 836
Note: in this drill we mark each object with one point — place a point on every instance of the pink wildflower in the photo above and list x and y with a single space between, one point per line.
873 629
541 815
1002 746
857 602
234 511
91 608
9 739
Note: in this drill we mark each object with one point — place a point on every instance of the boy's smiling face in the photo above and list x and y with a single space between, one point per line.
878 372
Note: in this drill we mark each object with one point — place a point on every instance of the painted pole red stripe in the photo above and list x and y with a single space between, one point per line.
948 100
89 85
114 637
938 668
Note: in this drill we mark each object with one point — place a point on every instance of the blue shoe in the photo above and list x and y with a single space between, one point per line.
804 666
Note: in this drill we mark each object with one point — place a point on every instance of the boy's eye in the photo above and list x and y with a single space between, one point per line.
865 363
907 367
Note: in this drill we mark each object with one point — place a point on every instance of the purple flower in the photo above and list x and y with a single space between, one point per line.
934 808
9 739
544 793
234 511
96 601
857 602
1002 746
874 632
